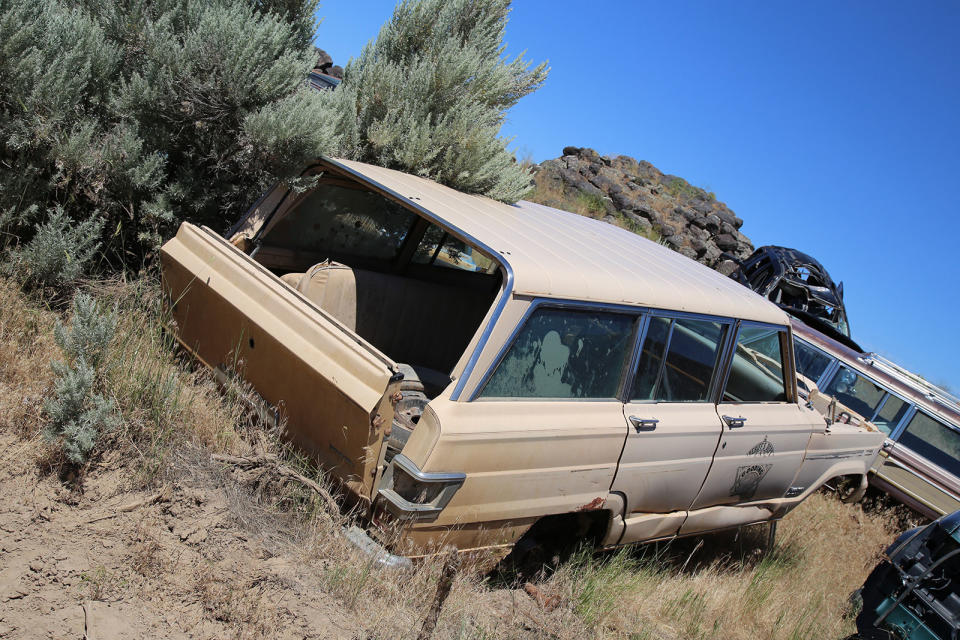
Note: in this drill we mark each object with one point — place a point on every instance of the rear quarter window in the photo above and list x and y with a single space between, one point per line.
564 354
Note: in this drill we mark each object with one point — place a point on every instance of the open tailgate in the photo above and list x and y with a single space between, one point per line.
330 385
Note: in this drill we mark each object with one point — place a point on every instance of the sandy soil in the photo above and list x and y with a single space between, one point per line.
112 563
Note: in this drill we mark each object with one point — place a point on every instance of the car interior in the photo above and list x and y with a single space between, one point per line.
414 291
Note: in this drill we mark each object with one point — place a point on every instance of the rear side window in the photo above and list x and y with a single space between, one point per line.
856 392
933 440
677 360
562 353
890 414
810 361
756 373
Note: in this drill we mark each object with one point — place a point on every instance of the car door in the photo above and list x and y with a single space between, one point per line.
764 431
672 423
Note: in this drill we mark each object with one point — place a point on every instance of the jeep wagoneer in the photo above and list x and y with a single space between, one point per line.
919 464
466 368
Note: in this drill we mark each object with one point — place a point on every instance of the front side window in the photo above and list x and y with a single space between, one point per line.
811 362
756 373
563 353
677 360
856 392
933 440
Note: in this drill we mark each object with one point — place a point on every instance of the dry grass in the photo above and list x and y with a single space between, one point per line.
719 586
553 194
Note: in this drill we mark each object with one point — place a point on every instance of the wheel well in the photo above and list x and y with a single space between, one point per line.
567 529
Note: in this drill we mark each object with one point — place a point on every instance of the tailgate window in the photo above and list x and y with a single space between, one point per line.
337 220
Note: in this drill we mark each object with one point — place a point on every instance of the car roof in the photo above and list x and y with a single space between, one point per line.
558 254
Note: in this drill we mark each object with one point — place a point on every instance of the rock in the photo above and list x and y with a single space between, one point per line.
726 267
636 195
336 71
726 242
324 61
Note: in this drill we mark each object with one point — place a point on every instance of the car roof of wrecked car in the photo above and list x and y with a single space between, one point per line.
558 254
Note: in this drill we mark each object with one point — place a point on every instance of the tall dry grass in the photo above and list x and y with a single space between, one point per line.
720 586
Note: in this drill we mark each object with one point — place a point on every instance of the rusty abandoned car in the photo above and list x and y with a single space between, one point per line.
467 369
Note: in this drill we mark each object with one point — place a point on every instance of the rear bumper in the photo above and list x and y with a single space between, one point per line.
378 554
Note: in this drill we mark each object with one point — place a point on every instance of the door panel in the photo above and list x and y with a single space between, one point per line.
759 459
663 465
329 384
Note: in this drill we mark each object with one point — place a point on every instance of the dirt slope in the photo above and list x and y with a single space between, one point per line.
182 565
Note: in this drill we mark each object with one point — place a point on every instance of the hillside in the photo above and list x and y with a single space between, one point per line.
635 195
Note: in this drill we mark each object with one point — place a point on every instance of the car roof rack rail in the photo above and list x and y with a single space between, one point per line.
930 390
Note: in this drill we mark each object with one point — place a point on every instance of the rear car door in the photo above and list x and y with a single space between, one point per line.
330 386
765 432
672 423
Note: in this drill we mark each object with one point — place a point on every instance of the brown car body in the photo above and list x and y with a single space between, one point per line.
467 368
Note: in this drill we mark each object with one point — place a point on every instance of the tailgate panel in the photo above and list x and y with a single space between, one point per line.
328 383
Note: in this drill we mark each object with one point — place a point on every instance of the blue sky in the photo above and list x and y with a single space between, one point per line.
831 127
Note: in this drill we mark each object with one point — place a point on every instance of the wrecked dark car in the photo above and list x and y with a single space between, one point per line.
799 285
912 594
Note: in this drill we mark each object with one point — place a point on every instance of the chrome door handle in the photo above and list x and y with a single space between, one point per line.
734 423
643 424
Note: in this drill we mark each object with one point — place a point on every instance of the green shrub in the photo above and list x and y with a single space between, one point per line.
144 113
59 252
77 414
429 95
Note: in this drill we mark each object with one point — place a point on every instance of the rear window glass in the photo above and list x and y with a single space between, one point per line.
756 373
337 220
810 361
677 360
856 392
933 440
562 353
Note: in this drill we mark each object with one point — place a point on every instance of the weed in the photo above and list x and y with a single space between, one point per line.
78 415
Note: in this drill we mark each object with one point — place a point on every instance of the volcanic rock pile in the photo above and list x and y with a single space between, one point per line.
638 196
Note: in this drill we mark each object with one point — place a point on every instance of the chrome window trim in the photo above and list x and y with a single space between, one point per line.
904 421
626 387
555 303
505 293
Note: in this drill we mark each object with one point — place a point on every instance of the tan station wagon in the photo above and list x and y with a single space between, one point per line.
471 371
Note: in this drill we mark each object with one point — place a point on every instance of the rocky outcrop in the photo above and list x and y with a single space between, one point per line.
636 195
325 64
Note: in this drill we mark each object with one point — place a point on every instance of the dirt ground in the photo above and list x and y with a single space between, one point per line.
111 563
